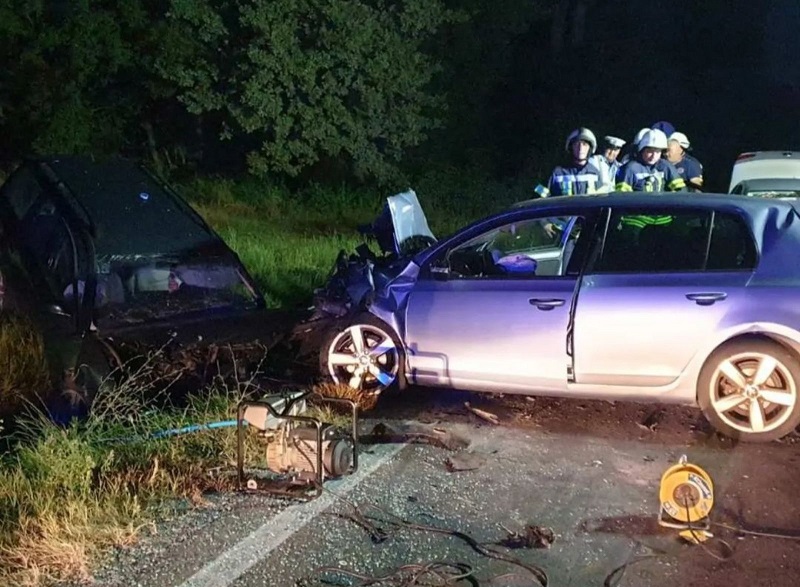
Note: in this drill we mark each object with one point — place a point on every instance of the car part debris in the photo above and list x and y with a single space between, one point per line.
464 461
652 420
488 416
532 537
383 434
687 496
300 452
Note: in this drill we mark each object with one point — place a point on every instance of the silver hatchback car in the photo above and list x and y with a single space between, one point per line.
663 298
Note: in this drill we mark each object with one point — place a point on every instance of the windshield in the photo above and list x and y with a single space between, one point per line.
140 288
775 193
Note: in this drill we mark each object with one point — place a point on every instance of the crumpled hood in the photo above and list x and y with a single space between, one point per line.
401 228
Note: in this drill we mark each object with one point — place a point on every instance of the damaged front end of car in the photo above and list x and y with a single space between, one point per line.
401 232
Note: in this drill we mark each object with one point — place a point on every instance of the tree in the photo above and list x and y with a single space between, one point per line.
68 82
308 79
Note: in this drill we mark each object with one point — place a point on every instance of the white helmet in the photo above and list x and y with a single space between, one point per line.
680 138
582 134
653 138
613 142
639 135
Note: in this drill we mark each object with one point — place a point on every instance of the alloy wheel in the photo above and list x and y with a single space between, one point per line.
364 357
753 392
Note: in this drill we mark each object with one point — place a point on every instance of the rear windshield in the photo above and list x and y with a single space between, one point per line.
775 193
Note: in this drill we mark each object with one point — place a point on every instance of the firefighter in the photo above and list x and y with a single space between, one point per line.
691 169
579 176
607 164
649 172
632 150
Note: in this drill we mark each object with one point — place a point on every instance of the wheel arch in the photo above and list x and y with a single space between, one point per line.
791 345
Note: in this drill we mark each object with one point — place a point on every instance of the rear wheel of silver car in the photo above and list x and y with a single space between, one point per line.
748 389
363 354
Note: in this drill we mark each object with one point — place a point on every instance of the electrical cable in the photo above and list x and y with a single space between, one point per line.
378 534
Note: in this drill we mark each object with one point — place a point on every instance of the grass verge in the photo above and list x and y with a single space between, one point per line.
70 495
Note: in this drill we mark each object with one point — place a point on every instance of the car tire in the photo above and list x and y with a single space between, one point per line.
378 368
749 389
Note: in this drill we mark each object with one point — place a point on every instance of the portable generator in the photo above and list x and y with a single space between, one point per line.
300 452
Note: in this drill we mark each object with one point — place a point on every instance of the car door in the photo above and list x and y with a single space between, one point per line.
54 256
479 318
655 293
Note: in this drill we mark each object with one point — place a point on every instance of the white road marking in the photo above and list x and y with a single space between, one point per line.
235 561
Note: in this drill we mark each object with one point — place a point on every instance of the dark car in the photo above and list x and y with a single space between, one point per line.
108 261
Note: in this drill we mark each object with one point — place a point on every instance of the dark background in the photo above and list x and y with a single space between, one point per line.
518 76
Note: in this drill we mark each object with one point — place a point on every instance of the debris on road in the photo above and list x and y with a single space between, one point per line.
484 415
532 537
652 420
464 461
383 434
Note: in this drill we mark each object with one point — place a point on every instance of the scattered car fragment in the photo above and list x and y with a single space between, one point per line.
110 262
659 298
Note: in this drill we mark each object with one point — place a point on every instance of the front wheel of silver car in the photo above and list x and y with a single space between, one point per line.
363 354
748 389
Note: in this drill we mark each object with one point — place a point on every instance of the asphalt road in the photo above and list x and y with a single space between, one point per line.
588 471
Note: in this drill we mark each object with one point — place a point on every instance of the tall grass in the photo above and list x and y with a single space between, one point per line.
69 494
289 241
23 365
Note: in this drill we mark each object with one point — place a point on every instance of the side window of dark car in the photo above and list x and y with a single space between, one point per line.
643 241
527 248
20 192
47 244
676 241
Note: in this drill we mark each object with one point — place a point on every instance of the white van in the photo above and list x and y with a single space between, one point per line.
768 174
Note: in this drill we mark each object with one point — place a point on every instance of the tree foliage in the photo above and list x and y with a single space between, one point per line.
287 85
309 79
67 71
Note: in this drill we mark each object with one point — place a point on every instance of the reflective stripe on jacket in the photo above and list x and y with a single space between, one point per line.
573 180
635 176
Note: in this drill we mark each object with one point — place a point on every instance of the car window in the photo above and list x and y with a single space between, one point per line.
21 191
644 241
538 247
732 247
47 244
774 193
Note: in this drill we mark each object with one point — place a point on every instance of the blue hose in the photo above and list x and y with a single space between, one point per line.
193 428
177 431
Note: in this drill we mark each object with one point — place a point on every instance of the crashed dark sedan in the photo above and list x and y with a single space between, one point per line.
108 261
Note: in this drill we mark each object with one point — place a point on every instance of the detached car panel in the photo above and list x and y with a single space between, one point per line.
680 298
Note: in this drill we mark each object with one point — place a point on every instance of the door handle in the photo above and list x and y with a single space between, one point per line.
706 298
546 304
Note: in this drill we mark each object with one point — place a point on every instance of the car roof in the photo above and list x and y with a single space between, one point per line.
130 212
765 165
662 199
